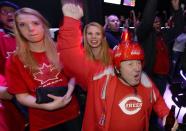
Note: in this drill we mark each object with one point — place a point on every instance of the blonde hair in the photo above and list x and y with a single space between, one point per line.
22 47
105 54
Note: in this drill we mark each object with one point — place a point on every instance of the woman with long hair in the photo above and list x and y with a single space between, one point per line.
35 64
95 44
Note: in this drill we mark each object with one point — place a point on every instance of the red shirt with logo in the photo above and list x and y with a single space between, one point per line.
130 111
11 113
7 47
21 80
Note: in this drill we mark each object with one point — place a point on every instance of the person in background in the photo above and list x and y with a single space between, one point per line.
122 20
126 96
95 45
112 30
12 110
35 64
177 53
7 39
157 43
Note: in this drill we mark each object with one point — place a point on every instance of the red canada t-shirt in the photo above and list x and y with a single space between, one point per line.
20 80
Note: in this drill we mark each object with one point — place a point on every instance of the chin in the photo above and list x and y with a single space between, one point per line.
135 83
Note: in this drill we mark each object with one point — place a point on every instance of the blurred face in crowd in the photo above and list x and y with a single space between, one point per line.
31 28
157 24
131 72
94 36
113 23
7 16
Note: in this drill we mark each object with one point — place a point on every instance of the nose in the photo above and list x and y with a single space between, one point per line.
93 35
30 27
137 66
116 21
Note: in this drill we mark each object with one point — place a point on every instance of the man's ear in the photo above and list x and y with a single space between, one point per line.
117 72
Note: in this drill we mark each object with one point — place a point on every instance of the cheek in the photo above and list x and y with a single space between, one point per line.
41 32
23 33
124 71
100 38
88 39
2 18
111 25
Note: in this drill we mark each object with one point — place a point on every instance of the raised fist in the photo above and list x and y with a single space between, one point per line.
72 8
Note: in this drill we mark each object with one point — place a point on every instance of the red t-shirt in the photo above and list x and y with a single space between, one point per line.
7 47
161 65
20 80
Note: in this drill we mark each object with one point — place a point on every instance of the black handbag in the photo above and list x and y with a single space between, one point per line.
42 92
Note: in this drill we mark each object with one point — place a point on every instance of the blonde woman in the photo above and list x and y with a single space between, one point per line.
95 44
35 64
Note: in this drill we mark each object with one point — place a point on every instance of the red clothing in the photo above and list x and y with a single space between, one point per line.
3 121
20 80
135 108
100 81
161 65
7 47
9 114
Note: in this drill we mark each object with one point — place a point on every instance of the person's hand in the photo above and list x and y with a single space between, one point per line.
175 4
59 102
71 86
4 93
175 127
72 9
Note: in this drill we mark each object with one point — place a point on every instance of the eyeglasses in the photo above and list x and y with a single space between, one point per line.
6 12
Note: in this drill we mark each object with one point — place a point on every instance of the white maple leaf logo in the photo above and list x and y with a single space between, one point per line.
9 53
46 73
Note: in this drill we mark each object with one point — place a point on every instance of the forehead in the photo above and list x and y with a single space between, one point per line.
157 19
93 28
27 18
6 8
112 17
129 61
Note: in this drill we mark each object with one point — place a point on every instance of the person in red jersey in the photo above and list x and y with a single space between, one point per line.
35 64
7 39
7 47
119 96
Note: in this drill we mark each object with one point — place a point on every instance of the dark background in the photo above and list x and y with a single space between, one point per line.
95 10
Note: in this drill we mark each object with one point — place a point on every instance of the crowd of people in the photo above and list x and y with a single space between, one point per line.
124 72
